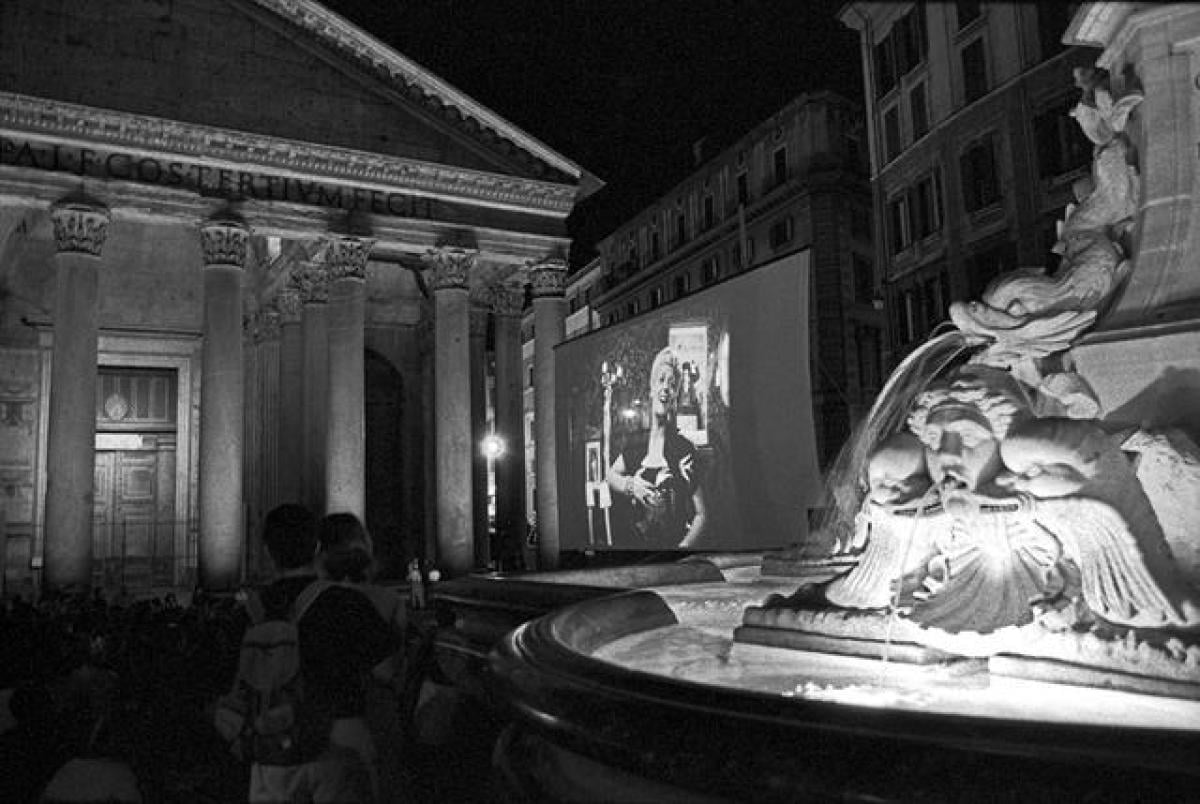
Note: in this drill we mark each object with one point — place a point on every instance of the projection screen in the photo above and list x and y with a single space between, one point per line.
708 447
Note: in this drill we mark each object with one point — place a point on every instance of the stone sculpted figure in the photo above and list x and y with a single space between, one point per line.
1028 314
1026 518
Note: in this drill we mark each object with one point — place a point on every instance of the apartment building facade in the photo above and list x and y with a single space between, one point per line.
795 181
973 154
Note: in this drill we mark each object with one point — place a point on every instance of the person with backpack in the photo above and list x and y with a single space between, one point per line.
345 555
302 669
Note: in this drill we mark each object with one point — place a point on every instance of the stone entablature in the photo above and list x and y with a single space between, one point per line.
187 151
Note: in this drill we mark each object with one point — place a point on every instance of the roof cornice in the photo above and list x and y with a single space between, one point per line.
408 77
84 125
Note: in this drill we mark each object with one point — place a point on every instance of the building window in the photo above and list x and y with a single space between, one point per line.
981 184
885 67
743 189
781 169
920 113
656 297
864 279
681 285
974 71
655 245
967 12
708 271
891 132
781 232
898 224
911 44
710 212
631 308
572 304
1061 144
529 376
680 229
925 206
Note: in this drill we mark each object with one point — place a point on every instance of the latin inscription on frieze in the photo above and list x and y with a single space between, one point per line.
207 180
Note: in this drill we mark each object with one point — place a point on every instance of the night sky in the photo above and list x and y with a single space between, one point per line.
623 87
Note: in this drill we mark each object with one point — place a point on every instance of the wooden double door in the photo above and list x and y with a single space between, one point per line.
133 536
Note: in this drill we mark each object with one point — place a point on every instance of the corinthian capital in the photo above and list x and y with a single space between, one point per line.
312 280
451 266
80 225
225 240
347 257
508 299
548 278
289 303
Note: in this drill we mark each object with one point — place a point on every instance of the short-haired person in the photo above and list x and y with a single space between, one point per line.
341 638
657 474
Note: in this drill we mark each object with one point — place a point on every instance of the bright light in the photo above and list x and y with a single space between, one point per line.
493 446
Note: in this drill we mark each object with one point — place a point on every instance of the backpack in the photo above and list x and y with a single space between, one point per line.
267 717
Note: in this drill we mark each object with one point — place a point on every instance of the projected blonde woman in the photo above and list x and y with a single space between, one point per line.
656 473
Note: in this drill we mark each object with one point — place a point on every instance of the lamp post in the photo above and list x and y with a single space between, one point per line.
493 447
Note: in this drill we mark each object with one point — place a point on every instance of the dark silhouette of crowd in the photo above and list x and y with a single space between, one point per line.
120 680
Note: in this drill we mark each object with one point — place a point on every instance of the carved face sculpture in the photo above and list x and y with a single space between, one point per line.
664 383
960 449
896 471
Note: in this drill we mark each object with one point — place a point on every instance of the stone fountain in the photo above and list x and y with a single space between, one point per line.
1006 590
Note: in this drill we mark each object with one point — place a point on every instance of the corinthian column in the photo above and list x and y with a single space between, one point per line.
507 304
452 407
222 404
479 462
548 279
313 281
80 228
345 434
291 396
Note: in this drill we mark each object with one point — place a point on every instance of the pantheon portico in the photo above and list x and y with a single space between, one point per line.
242 245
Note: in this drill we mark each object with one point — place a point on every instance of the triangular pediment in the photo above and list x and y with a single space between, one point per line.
288 69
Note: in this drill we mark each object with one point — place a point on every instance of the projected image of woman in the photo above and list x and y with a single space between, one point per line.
656 472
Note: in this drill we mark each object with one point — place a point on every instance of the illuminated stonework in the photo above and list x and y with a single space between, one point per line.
548 278
451 266
311 278
507 299
80 226
225 242
347 257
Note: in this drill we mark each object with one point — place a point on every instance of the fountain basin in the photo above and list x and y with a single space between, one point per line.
645 693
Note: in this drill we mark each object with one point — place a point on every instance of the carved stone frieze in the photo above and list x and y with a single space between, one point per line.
225 241
154 135
80 225
451 266
347 257
548 278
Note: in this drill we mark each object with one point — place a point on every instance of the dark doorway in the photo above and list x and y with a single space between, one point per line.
389 493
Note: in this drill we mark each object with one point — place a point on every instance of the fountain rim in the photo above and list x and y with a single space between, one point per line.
542 669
